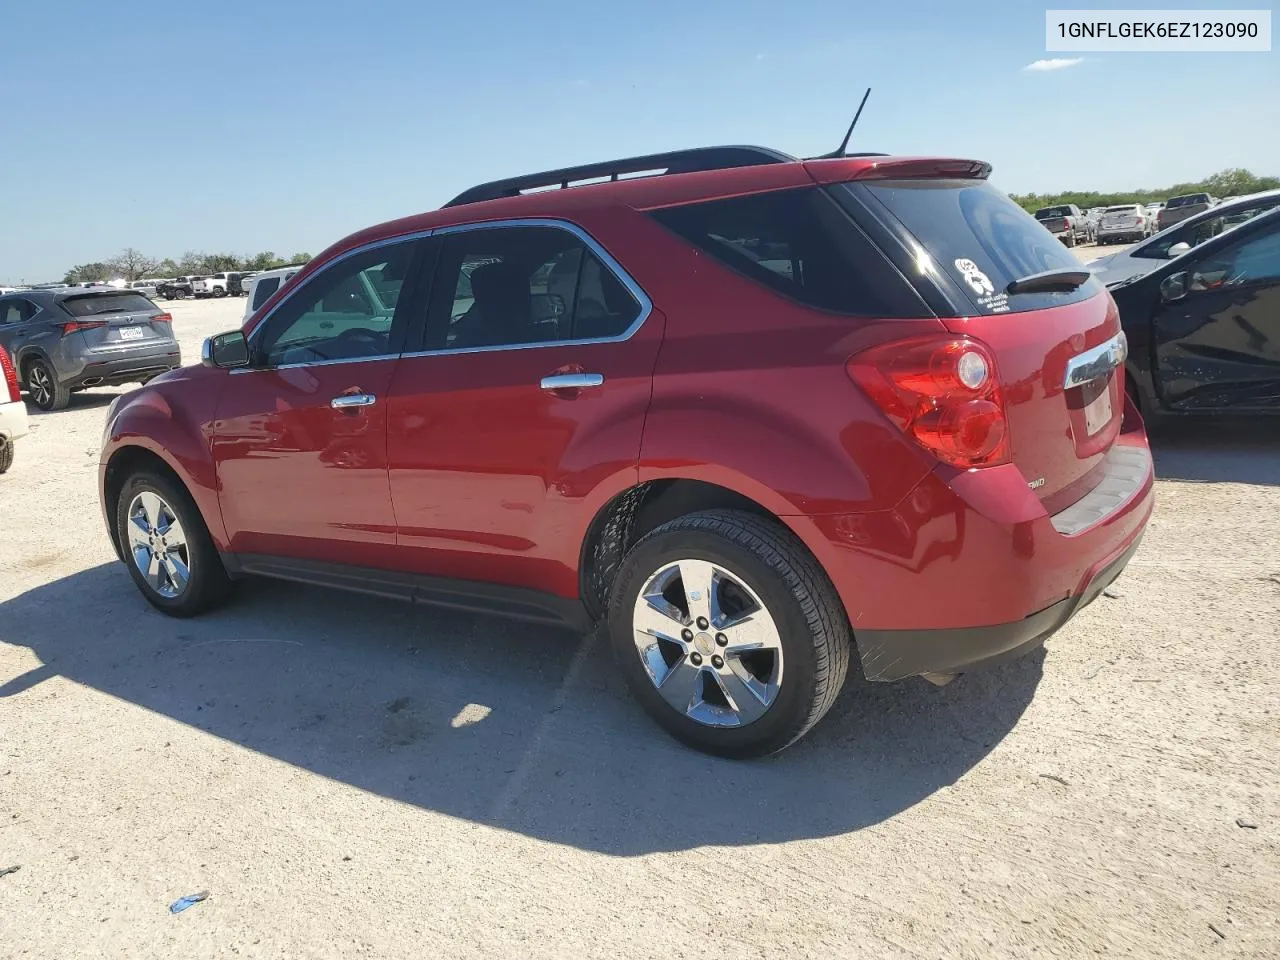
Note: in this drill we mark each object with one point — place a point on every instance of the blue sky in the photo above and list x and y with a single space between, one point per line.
284 125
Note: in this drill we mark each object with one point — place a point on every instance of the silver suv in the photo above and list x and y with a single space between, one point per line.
62 341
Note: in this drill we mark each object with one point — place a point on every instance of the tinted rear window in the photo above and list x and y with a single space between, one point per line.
1049 212
95 303
1189 199
799 244
263 289
979 239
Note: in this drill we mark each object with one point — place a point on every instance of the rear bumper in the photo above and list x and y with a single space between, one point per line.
897 654
970 568
129 368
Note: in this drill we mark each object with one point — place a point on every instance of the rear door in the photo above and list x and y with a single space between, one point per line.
15 322
1217 346
1056 352
523 408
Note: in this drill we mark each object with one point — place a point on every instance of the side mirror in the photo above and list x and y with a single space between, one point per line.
225 350
1178 249
1174 286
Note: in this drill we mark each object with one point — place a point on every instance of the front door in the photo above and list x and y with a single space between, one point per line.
524 408
301 434
1218 346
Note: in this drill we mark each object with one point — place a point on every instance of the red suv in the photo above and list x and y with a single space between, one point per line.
753 411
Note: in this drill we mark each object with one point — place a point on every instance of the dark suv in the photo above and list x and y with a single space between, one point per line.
752 411
63 341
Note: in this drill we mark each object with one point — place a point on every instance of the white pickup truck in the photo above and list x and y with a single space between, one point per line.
214 285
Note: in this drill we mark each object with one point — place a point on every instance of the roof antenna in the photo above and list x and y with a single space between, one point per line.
839 151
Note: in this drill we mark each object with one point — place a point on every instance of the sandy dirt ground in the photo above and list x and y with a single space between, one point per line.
348 777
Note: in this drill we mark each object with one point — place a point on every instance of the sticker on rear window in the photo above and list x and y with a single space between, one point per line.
984 290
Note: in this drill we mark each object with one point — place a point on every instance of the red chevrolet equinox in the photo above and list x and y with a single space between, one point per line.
754 412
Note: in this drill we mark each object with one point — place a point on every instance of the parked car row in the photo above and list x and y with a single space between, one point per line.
1122 223
223 284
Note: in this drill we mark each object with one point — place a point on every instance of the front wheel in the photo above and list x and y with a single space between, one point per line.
729 633
167 547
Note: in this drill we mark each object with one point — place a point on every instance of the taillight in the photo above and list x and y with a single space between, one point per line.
942 392
74 325
162 318
10 376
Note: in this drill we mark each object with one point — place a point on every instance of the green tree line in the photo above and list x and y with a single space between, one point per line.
1226 183
131 264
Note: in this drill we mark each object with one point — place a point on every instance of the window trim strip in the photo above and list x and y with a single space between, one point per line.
590 242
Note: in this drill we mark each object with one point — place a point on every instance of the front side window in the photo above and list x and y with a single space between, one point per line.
1255 260
345 312
509 286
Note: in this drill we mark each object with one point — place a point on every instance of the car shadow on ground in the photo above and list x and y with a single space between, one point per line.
523 727
80 400
1225 451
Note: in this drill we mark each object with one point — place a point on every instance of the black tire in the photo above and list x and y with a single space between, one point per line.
6 454
811 622
43 386
1071 240
219 292
208 585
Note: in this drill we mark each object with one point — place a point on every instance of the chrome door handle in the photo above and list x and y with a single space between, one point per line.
572 381
348 400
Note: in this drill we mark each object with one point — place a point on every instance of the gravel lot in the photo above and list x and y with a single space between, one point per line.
350 777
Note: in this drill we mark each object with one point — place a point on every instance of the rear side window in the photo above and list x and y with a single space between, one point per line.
800 244
263 290
94 304
978 238
508 286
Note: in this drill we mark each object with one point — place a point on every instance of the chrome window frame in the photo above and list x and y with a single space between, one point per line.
354 251
590 242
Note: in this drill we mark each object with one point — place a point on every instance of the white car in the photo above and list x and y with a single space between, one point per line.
1125 221
13 412
262 285
214 285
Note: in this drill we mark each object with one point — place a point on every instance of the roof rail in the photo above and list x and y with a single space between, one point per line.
678 161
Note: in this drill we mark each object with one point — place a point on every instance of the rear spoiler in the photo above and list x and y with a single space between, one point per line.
897 168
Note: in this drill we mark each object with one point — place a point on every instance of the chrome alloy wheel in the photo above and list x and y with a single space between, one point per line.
708 643
159 545
39 385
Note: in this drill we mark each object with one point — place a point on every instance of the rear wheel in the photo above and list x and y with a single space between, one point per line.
729 633
6 454
1071 240
43 387
167 547
219 292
